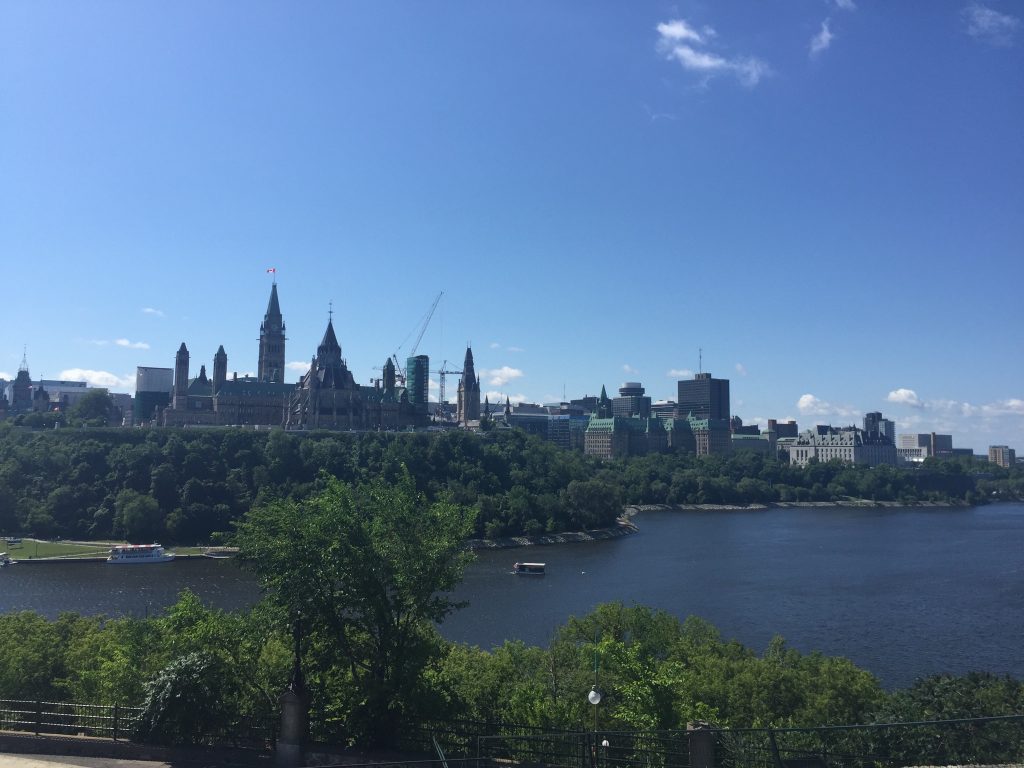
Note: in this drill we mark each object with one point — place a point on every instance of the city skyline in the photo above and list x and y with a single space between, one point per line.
825 198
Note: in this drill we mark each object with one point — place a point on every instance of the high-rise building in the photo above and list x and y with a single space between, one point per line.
631 401
703 398
783 429
271 362
1002 455
417 377
876 426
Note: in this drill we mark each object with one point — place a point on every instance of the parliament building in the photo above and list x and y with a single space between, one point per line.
326 397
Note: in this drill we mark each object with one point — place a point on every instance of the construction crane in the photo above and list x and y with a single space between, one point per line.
442 373
425 321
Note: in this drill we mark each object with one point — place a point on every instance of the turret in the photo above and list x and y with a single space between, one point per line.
220 369
181 378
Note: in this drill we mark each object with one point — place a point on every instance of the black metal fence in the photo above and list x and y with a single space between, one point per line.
473 744
118 723
969 741
50 717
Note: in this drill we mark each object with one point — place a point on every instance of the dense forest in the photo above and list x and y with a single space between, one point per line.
188 486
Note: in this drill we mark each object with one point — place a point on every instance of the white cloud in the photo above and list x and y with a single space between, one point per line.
810 405
6 376
822 40
1014 406
498 398
679 373
131 344
98 378
299 366
678 29
499 377
741 369
496 345
674 43
152 311
904 396
629 370
990 26
846 5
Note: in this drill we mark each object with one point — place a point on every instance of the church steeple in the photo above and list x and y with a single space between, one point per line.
272 338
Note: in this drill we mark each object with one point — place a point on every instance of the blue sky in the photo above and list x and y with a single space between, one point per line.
826 197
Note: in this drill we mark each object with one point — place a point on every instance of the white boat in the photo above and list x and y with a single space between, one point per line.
5 560
529 569
131 554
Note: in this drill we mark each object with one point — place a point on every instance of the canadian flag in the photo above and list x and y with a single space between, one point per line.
272 269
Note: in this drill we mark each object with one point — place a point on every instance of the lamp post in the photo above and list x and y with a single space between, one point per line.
594 697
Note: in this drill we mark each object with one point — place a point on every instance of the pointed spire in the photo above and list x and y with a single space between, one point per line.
273 307
24 359
467 366
329 351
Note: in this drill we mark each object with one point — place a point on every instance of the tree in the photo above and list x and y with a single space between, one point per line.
93 409
363 571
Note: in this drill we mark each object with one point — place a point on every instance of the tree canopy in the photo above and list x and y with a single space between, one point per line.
364 571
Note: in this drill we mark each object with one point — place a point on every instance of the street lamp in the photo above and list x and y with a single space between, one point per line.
594 697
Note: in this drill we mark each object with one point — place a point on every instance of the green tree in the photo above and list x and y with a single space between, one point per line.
93 409
364 571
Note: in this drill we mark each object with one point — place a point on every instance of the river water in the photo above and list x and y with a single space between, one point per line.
903 593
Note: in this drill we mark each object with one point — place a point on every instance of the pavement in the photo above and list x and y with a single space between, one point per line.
62 761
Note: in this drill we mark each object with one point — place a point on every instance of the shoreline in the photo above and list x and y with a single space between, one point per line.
626 526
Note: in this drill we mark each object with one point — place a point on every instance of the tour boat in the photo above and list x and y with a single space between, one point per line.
131 554
529 569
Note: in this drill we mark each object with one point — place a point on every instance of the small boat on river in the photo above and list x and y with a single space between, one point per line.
529 569
131 554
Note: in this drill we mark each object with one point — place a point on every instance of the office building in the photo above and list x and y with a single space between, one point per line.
847 444
1002 455
703 397
876 426
631 401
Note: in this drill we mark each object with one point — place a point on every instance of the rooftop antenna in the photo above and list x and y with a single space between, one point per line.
330 310
700 360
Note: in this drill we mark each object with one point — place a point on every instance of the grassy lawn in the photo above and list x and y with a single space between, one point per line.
33 548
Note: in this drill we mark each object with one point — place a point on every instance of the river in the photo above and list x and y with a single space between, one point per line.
901 592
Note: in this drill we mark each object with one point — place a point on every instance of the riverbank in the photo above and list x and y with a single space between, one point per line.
626 526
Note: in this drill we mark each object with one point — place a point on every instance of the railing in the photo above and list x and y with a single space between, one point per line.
49 717
118 722
985 740
473 744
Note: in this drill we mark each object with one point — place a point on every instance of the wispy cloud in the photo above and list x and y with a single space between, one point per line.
499 377
741 369
810 405
497 345
6 376
152 311
846 5
125 343
629 370
821 41
131 344
676 41
299 366
98 378
990 26
679 373
656 116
